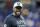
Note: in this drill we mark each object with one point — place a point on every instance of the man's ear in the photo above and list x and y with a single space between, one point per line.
14 9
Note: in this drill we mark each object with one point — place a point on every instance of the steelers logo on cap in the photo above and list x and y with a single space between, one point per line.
18 4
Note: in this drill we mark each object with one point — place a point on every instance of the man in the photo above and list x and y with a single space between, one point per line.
15 19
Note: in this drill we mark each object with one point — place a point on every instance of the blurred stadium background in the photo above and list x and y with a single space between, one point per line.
31 11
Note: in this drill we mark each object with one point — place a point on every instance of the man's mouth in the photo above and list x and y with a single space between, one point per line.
18 12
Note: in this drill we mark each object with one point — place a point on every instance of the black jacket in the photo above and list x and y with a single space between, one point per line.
14 21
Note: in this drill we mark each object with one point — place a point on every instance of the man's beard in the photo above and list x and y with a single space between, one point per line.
18 14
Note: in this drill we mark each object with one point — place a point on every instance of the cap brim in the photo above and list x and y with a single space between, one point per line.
18 7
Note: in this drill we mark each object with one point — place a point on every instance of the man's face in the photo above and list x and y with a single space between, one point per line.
18 10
